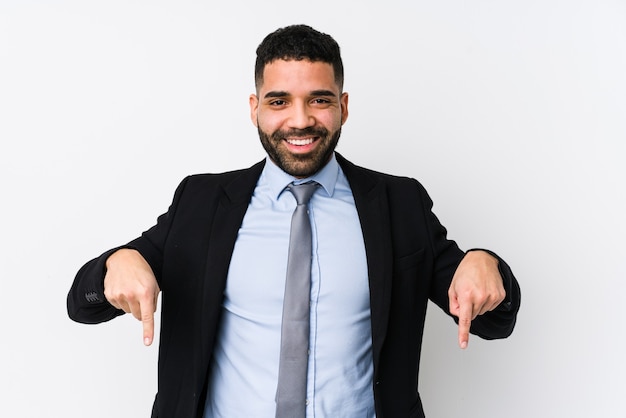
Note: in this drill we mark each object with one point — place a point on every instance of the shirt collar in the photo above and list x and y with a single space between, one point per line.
277 179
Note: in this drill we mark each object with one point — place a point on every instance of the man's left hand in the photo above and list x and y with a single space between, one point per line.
476 288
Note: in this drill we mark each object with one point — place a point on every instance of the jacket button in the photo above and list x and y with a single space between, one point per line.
92 297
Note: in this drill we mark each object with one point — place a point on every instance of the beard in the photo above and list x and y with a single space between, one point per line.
300 165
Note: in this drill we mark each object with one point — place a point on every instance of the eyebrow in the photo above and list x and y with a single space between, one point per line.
323 93
316 93
271 94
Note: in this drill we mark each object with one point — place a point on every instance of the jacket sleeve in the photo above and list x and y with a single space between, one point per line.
86 302
500 322
495 324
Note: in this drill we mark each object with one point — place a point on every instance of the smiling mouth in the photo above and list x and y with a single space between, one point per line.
300 141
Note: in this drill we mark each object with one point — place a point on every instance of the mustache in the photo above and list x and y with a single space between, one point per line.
309 131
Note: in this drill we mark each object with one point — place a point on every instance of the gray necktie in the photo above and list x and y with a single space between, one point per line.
294 345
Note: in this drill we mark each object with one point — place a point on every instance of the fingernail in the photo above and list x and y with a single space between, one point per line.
146 341
463 345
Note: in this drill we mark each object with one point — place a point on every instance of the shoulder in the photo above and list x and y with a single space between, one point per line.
224 179
226 176
236 184
358 175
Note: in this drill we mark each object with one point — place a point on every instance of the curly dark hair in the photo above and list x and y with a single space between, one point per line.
298 42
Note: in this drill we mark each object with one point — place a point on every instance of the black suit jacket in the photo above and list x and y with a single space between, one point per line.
409 260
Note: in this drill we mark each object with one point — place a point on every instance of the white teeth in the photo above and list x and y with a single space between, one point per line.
300 142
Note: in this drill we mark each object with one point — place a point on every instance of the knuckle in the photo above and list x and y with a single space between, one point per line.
465 321
480 295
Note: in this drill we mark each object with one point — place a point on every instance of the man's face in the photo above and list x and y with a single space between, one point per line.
299 111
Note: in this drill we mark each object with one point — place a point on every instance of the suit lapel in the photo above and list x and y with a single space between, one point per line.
232 204
370 197
231 208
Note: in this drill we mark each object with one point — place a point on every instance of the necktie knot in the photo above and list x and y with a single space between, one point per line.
303 192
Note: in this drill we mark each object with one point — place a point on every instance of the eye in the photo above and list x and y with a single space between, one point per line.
322 102
278 102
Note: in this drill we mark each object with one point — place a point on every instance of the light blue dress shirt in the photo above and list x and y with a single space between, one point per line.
244 372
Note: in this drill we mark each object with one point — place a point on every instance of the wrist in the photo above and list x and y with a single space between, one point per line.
120 255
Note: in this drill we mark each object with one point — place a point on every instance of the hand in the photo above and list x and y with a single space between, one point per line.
476 288
130 285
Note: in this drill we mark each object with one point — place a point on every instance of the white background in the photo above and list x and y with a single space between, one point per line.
511 113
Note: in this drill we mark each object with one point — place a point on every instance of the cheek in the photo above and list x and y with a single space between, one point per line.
329 120
333 122
268 122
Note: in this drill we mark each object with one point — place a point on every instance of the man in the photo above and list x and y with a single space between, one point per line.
220 257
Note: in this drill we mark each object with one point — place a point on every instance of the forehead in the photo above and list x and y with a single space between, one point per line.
303 75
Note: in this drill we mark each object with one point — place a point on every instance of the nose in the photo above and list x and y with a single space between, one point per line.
301 116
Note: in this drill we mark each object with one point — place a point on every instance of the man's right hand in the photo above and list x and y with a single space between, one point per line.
130 285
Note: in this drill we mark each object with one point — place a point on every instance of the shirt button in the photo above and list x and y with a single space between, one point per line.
306 402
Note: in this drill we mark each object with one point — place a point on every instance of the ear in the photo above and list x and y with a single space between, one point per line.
254 106
343 101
